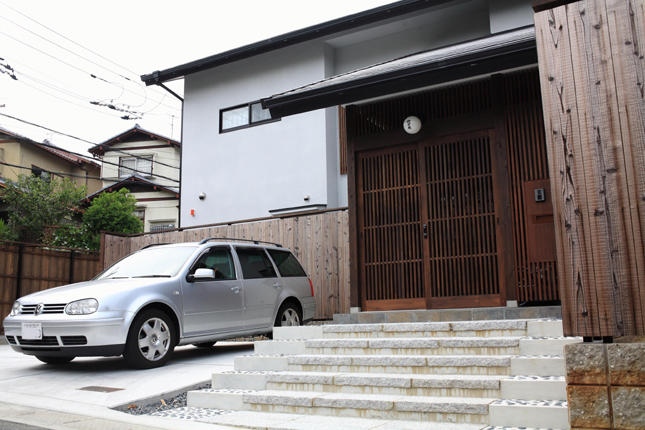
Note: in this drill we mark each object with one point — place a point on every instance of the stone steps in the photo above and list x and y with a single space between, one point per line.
481 373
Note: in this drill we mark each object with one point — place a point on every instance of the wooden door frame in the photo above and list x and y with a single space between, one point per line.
464 124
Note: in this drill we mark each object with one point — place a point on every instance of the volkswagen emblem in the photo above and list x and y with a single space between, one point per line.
39 309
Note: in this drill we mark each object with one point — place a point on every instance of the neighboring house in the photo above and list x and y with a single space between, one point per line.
416 240
21 155
147 165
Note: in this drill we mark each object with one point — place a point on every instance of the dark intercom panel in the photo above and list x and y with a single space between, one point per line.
540 194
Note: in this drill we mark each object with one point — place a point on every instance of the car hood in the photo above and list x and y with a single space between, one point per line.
90 289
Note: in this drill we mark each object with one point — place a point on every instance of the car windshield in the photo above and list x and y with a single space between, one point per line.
154 262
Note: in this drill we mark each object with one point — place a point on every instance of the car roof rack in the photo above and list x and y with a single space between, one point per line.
257 242
155 244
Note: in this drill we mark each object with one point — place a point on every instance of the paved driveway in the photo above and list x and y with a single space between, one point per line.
26 381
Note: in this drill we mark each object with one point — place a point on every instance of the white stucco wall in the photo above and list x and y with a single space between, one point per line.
245 173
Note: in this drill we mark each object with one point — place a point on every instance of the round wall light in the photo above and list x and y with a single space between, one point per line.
412 125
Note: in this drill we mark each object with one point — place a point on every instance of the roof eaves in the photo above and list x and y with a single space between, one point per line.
407 73
292 38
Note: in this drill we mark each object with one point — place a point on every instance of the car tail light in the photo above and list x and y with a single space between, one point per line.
312 287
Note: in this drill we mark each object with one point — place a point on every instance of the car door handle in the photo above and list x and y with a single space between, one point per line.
235 289
277 286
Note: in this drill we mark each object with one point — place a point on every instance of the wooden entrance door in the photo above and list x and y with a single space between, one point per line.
427 224
459 221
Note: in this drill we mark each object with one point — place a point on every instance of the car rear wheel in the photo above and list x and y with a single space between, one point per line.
288 315
150 340
55 360
204 344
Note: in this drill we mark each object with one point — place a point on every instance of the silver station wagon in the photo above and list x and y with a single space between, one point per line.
163 296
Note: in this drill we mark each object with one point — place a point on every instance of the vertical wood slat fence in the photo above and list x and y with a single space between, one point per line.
320 241
592 72
27 268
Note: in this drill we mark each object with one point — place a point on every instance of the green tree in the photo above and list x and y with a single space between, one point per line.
38 202
108 212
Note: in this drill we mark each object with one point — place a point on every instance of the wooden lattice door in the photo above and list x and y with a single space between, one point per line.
460 226
427 225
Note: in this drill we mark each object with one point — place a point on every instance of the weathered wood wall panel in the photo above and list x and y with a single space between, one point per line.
320 241
590 62
28 268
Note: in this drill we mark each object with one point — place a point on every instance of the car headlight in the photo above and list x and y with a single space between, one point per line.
82 307
15 309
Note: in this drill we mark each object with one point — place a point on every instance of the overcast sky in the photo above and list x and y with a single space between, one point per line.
54 48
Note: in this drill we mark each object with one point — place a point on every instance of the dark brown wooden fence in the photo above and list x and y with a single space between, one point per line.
319 240
26 268
592 73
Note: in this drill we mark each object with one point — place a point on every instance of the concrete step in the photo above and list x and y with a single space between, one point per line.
546 345
538 365
362 383
549 414
413 364
509 345
534 387
495 328
275 421
434 409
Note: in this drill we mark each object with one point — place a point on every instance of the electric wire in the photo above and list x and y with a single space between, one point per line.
87 49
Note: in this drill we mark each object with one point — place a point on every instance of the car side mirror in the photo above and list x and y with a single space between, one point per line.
201 274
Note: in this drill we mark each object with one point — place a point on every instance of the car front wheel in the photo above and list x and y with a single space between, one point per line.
288 315
150 340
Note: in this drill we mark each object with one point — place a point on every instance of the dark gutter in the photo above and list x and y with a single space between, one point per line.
293 38
476 64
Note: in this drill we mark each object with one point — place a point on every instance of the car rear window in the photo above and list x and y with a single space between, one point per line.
287 263
255 263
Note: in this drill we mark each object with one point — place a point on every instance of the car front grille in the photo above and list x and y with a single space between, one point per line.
45 341
11 340
73 340
57 308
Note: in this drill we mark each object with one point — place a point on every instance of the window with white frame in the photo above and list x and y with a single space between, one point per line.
139 165
247 115
161 227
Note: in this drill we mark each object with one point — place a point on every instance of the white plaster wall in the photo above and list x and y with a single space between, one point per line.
245 173
509 14
458 24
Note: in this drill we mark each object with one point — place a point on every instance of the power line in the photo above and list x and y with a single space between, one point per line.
75 67
73 175
89 50
49 129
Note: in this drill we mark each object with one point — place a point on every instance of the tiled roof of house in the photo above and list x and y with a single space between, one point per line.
99 149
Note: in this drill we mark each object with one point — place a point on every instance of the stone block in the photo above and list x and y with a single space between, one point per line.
466 360
470 342
337 343
588 406
488 325
585 364
441 405
426 316
488 314
521 313
626 364
312 360
457 315
404 343
398 317
374 381
457 381
283 398
417 327
550 312
352 328
299 332
371 318
322 378
389 361
629 407
352 401
345 319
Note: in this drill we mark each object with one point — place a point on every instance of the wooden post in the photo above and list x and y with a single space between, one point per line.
354 293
